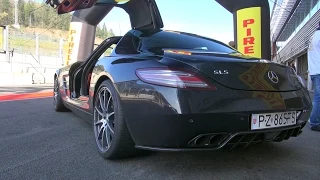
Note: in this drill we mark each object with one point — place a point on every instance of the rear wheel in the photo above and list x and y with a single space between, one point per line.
111 133
57 100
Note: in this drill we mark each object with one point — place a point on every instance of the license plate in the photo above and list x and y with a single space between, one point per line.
273 120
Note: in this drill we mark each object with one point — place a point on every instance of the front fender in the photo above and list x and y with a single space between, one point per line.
57 73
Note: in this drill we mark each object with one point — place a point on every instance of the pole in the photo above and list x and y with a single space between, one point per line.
16 21
6 42
61 48
37 45
60 53
3 37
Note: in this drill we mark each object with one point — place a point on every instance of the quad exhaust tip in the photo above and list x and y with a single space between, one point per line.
242 140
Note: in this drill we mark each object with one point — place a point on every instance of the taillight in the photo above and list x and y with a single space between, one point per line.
173 78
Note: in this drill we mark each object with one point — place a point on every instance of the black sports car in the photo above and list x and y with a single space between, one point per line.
175 91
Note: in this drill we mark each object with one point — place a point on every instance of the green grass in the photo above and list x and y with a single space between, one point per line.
28 45
25 45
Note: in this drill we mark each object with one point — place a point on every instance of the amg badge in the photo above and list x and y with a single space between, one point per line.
221 72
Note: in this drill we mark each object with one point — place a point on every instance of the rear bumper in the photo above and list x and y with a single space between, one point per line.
206 131
161 118
215 141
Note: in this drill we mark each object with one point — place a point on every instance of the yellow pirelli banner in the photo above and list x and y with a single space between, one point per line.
249 31
72 46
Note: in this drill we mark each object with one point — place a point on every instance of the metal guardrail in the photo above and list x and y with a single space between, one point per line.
39 66
34 58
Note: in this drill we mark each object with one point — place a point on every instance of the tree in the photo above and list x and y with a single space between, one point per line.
100 32
104 30
42 16
63 21
29 9
21 14
3 15
111 33
6 7
33 14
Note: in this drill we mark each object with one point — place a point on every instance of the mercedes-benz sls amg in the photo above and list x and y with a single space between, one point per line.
176 91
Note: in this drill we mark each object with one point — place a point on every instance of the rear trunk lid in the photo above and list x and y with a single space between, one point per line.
239 72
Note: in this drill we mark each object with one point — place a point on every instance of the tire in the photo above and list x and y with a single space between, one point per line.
57 100
110 130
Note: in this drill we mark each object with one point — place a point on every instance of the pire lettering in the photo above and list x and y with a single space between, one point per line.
248 41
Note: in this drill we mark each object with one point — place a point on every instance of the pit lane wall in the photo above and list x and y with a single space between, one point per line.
25 69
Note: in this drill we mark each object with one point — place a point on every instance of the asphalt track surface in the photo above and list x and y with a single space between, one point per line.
38 143
35 88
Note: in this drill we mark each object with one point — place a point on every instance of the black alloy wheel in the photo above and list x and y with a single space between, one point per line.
104 119
110 130
57 100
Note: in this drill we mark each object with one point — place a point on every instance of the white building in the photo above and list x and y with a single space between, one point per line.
292 24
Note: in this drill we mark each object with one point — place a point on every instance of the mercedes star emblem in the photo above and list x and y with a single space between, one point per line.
273 77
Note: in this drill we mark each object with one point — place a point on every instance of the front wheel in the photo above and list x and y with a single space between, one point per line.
111 133
57 100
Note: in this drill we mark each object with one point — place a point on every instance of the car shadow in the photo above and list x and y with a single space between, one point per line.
265 154
269 152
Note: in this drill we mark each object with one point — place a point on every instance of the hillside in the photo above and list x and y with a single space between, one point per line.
23 40
37 19
54 33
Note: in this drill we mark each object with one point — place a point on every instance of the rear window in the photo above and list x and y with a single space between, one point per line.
135 41
175 40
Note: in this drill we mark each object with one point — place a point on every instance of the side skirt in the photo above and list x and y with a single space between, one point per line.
88 117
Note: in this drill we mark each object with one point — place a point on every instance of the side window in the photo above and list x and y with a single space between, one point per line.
171 40
108 51
128 44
